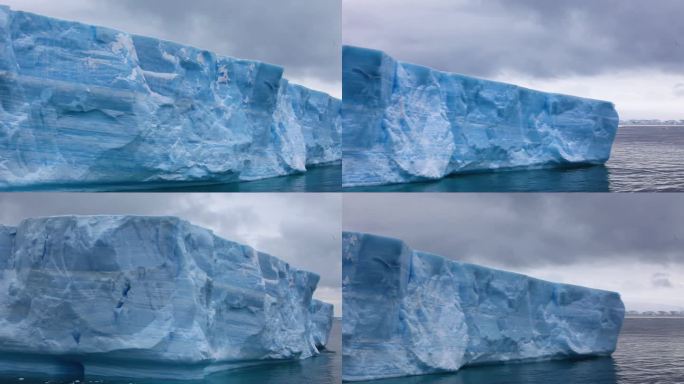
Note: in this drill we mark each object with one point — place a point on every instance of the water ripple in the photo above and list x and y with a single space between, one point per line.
650 351
644 159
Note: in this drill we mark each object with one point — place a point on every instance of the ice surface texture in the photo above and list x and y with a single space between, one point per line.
405 123
410 313
148 297
322 318
81 104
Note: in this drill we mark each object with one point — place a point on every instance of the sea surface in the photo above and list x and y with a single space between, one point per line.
324 369
650 351
644 159
323 178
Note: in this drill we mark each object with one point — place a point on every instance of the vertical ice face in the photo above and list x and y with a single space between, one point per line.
81 104
322 319
150 297
409 313
405 123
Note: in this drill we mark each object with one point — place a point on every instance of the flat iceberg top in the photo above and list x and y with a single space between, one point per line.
405 123
87 105
149 297
409 313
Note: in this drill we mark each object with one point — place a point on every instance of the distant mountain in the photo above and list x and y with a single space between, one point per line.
653 309
655 314
652 122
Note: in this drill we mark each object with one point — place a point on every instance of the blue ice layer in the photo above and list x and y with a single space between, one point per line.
322 319
407 123
411 313
81 104
152 297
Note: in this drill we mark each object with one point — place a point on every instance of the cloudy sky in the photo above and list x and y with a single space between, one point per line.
632 244
301 35
302 229
627 51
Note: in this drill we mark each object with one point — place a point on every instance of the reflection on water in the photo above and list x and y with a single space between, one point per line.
324 178
644 159
581 179
599 370
323 369
647 159
650 351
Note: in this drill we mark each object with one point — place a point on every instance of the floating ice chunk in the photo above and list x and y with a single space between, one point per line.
322 319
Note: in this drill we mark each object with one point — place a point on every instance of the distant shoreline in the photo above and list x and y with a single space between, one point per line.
653 317
651 125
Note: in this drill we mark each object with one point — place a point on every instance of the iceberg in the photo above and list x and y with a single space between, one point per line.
408 123
148 297
410 313
322 318
86 105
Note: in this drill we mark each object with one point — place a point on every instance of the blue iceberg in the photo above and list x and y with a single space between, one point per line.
322 319
85 105
153 297
410 313
406 123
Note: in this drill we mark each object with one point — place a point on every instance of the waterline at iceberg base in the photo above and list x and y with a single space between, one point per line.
86 105
410 313
148 297
408 123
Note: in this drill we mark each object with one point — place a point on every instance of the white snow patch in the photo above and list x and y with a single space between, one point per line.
124 42
161 75
170 58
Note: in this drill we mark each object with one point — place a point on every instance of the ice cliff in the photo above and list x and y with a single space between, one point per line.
406 123
81 104
153 297
322 318
410 313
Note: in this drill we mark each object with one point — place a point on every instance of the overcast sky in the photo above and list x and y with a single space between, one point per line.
629 243
626 51
302 229
301 35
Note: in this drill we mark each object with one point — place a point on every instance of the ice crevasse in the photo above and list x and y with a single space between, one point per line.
81 104
152 297
410 313
408 123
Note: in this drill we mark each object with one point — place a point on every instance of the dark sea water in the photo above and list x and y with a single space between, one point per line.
323 178
650 351
324 369
644 159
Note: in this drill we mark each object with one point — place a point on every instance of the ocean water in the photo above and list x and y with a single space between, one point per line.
644 159
650 351
322 369
323 178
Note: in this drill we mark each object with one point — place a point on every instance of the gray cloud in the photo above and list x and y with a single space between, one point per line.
661 280
528 230
679 89
301 35
302 229
534 37
616 242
